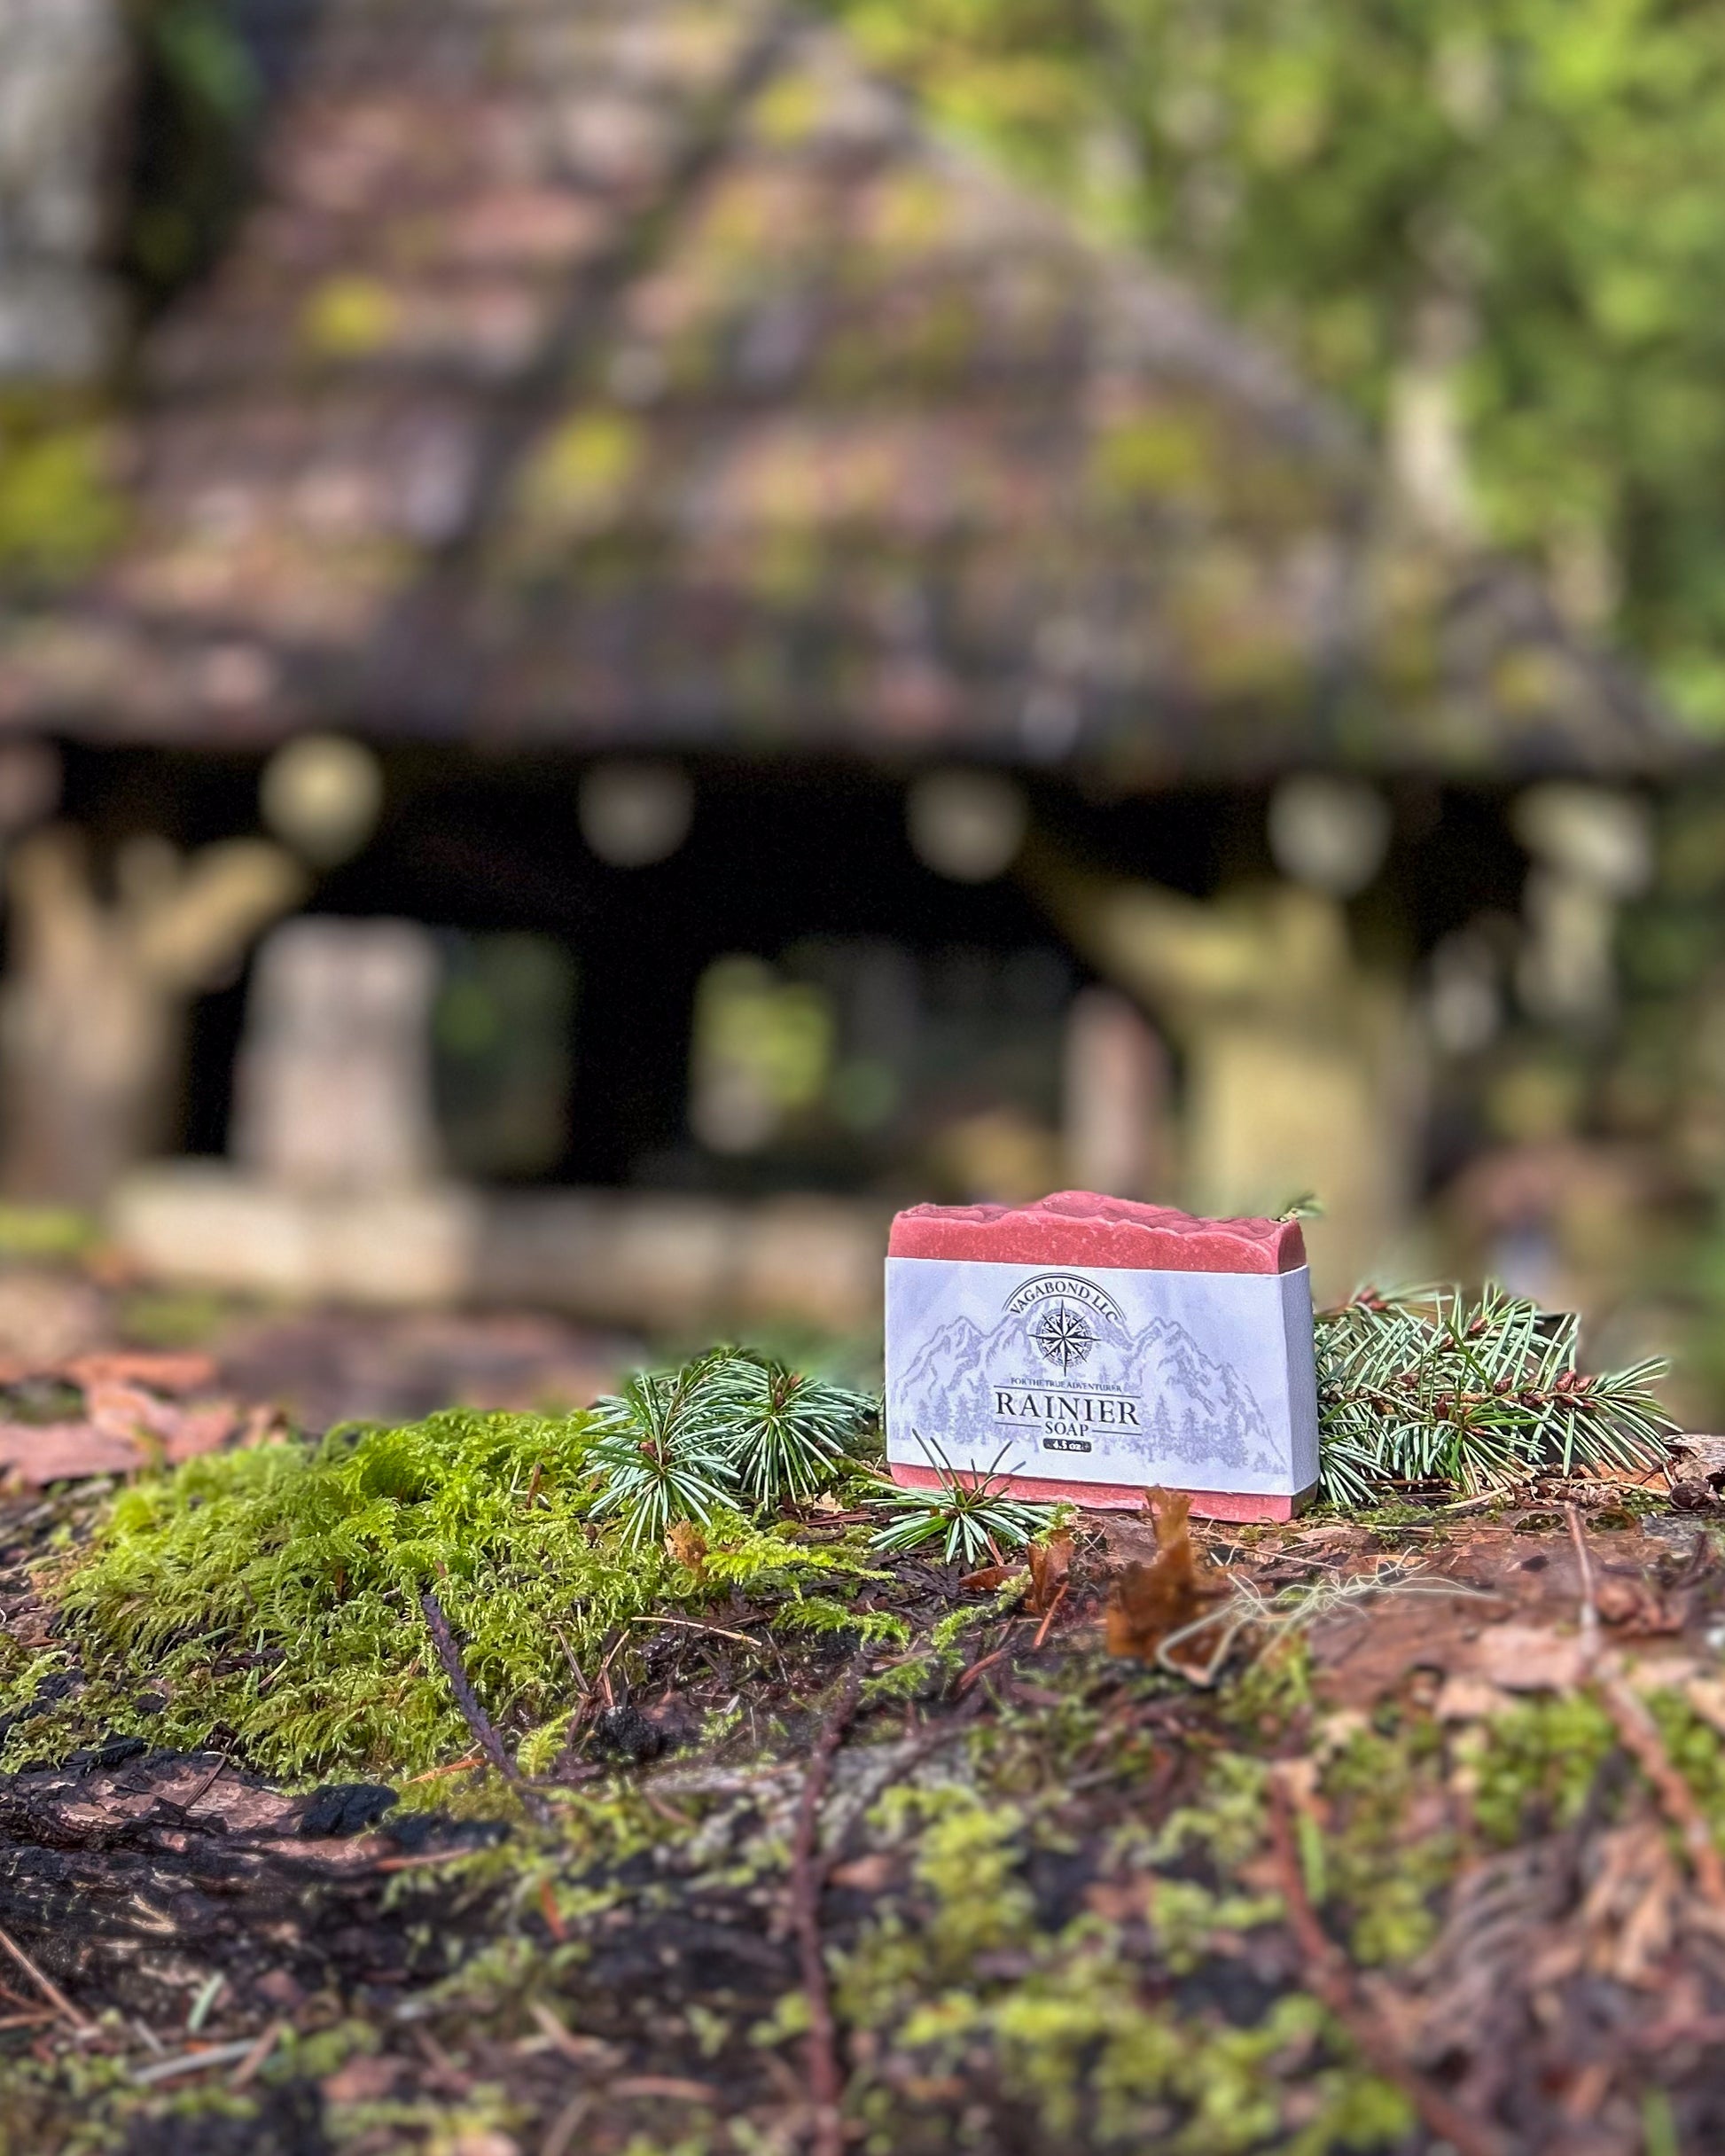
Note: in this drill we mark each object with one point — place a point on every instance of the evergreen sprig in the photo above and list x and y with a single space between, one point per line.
787 1433
664 1450
726 1429
969 1513
1431 1389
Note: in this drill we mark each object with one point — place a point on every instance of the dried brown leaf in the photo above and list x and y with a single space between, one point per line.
161 1373
365 2079
1148 1602
66 1451
990 1579
871 1874
685 1543
1050 1563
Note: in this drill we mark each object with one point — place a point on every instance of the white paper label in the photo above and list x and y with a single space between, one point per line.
1198 1380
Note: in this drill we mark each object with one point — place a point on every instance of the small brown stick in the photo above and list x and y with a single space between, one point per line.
1507 1495
1639 1735
419 1861
569 1657
1589 1604
475 1716
50 1990
826 2084
560 2134
257 2058
436 1774
1329 1976
603 1680
204 1786
976 1669
553 1914
692 1624
1053 1608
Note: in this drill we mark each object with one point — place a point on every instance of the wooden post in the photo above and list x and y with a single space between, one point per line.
92 1017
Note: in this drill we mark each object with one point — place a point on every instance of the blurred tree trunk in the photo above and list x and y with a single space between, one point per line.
1426 440
1302 1066
92 1018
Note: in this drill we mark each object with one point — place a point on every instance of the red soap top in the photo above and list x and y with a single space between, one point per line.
1082 1228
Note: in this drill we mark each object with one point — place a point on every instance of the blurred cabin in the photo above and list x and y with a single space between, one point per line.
778 676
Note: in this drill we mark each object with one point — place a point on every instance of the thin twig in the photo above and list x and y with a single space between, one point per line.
976 1668
569 1657
46 1986
1506 1492
692 1624
825 2083
586 2052
1639 1735
551 1913
436 1774
602 1682
1589 1604
257 2058
475 1716
195 2062
422 1858
204 1787
560 2134
1049 1616
1329 1976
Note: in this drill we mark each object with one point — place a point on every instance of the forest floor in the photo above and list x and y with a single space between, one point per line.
1410 1842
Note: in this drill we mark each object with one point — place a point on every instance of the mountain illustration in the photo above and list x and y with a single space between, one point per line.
1197 1411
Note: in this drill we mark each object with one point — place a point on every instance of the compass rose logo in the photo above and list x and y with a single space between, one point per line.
1063 1337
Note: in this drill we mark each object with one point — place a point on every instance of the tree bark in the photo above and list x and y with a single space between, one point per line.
92 1019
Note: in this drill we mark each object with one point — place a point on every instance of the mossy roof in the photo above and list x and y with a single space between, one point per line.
643 371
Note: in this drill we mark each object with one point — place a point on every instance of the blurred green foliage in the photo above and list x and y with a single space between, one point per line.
60 508
198 101
1325 170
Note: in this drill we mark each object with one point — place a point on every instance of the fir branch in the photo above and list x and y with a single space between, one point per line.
786 1434
1427 1390
662 1448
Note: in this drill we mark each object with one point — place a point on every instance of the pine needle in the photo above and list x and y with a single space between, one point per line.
1430 1390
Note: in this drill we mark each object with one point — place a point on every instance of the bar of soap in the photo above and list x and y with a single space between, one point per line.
1092 1347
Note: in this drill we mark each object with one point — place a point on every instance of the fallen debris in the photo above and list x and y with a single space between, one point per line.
1150 1602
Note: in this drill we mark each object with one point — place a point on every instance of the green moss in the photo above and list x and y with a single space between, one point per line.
1385 1879
826 1616
171 1318
349 317
580 476
790 110
1159 455
1228 1823
1697 1753
273 1596
45 1231
60 511
963 1982
1533 1767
